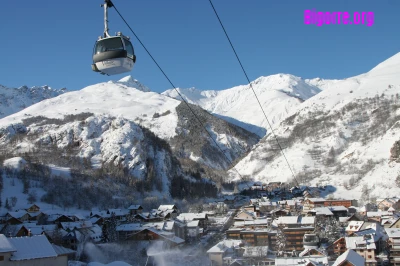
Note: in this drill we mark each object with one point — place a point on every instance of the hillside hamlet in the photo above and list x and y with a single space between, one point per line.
268 224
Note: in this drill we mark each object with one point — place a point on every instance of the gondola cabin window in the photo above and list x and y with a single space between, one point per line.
110 44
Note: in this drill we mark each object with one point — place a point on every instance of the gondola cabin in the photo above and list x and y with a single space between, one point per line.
113 55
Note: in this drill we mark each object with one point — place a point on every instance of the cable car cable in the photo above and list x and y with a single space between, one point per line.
165 75
251 86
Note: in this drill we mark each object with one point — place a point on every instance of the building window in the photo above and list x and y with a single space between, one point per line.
1 258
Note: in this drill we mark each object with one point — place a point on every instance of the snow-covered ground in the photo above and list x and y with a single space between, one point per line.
381 80
125 98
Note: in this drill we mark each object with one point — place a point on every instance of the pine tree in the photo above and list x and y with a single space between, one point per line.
112 228
7 206
104 232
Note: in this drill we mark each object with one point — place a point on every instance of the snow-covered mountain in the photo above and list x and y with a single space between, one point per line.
338 132
346 136
123 124
278 94
13 100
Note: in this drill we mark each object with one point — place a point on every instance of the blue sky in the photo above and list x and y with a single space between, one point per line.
51 42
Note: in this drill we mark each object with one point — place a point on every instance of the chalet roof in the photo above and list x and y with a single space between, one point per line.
322 211
359 242
337 208
350 256
18 214
33 247
225 246
307 250
354 225
254 222
191 216
39 229
166 235
11 229
139 226
194 223
393 232
76 225
252 215
60 250
166 207
379 214
301 220
169 225
268 203
297 261
306 220
6 245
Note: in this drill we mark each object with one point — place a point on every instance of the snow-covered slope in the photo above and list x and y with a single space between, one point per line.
13 100
343 136
154 138
278 94
127 98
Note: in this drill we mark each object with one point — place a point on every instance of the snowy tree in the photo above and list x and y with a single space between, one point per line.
333 231
32 197
327 228
56 236
280 242
104 232
25 182
7 206
112 228
14 201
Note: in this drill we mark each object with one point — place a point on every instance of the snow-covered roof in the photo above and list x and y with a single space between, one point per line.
33 247
322 211
359 242
6 245
77 225
393 232
337 208
191 216
224 246
379 214
306 220
297 261
194 223
307 250
354 225
18 214
39 229
139 226
350 256
166 207
268 203
287 220
60 250
253 222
